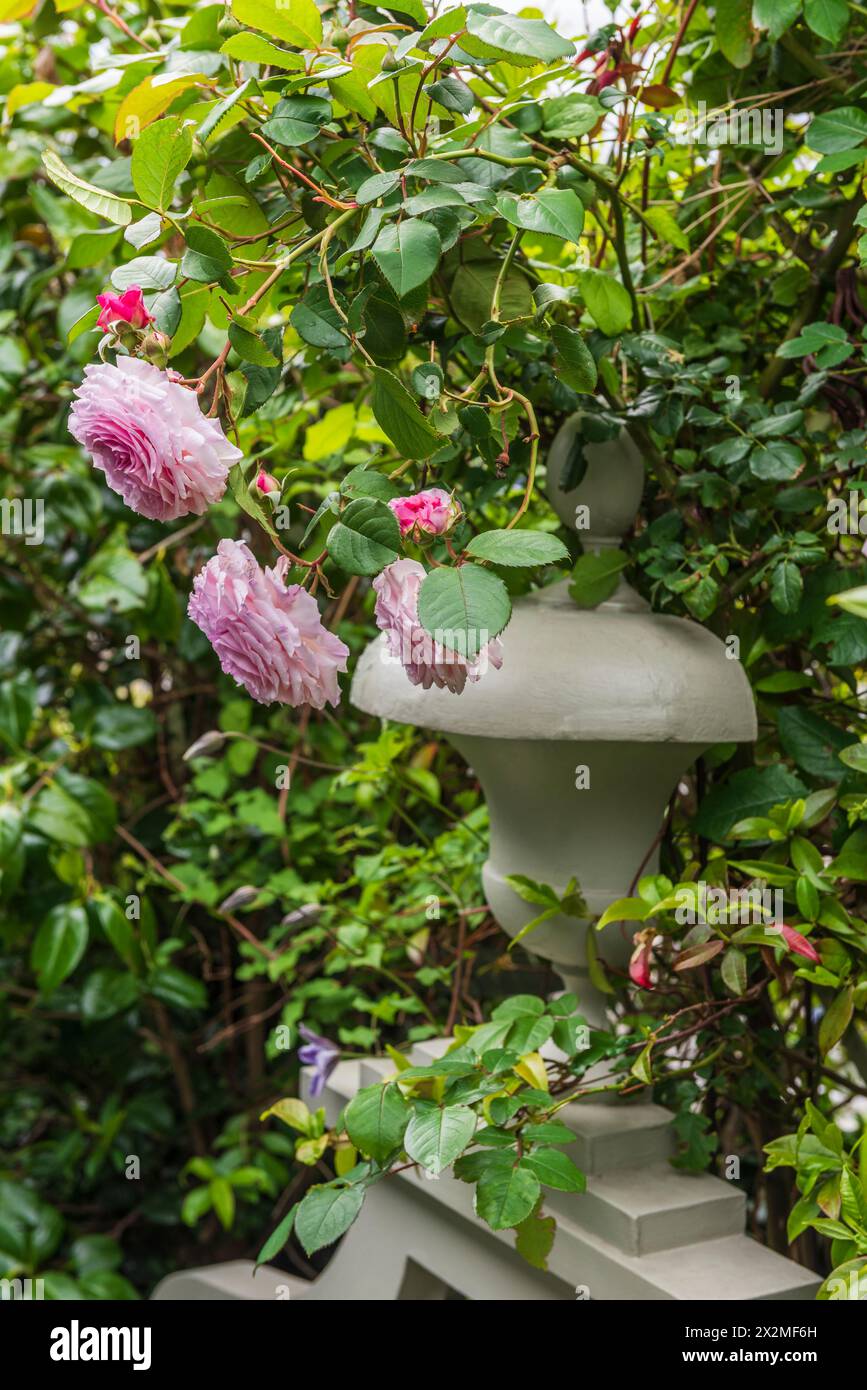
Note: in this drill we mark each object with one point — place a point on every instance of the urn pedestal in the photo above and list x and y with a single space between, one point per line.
578 741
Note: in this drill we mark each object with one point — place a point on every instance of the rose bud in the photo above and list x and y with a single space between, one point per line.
116 310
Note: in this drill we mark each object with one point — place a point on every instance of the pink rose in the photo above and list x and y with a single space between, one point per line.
799 944
269 638
426 661
433 511
148 436
123 308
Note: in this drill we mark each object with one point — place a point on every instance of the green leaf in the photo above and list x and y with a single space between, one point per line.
531 891
554 1168
325 1214
570 116
297 120
250 346
207 257
734 971
397 414
366 539
751 792
522 41
166 309
249 48
436 1135
428 380
118 726
842 129
775 15
316 320
96 200
117 928
463 607
59 945
113 579
786 587
624 910
278 1237
777 461
17 709
223 1201
377 186
607 301
836 1019
177 989
534 1239
295 21
812 742
473 289
375 1120
734 31
106 993
575 361
827 18
848 1282
852 600
506 1196
221 109
407 253
596 576
148 272
73 810
666 228
160 154
553 212
452 93
517 548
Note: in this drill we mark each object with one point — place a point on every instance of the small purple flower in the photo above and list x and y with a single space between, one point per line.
319 1053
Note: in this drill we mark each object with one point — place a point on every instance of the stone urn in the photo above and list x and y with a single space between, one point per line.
579 740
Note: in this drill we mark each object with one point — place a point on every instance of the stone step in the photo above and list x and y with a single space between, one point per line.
611 1137
652 1208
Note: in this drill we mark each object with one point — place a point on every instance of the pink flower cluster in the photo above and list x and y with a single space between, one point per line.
146 432
148 436
269 638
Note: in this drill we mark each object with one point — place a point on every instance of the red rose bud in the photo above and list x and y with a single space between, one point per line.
634 26
799 944
123 308
639 965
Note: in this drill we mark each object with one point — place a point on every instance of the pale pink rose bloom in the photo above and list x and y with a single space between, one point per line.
433 510
426 661
128 307
148 436
269 638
